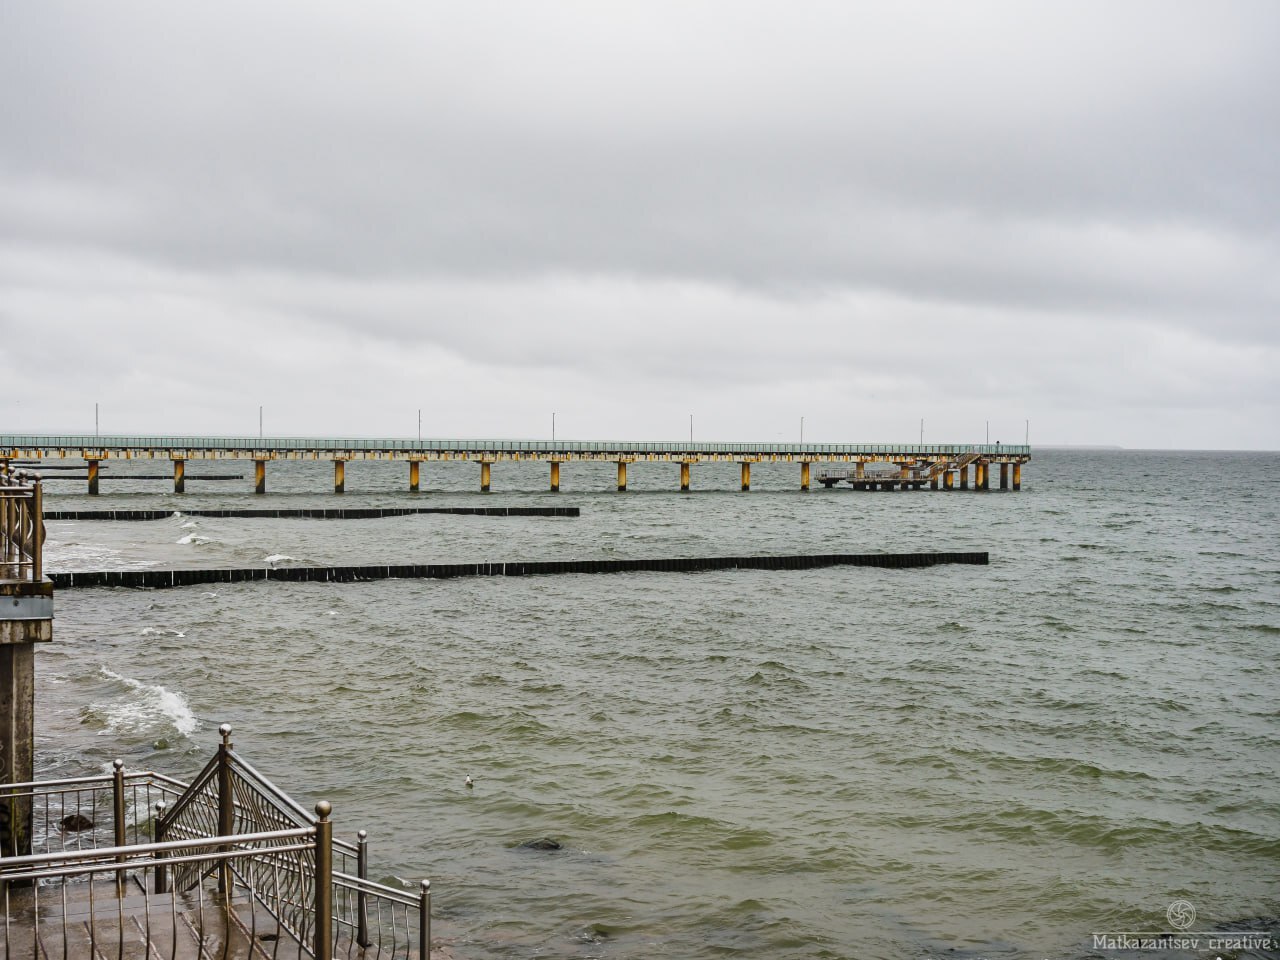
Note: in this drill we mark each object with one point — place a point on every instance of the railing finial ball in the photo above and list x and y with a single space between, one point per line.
426 886
225 730
117 764
323 809
362 835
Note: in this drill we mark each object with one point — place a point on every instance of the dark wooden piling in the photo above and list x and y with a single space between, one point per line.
161 579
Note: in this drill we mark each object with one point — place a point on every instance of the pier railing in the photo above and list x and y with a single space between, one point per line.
16 445
21 526
134 865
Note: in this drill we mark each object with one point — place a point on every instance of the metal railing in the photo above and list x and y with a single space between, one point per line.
79 445
21 525
937 469
83 814
142 865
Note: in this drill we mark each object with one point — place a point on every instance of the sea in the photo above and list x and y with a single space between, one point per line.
1005 761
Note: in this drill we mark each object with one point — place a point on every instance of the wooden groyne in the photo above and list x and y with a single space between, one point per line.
315 513
160 579
141 476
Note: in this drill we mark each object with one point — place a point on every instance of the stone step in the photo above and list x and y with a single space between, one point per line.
79 921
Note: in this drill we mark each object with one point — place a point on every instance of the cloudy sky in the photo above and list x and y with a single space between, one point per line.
862 214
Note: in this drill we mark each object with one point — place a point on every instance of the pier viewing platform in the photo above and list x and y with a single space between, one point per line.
937 466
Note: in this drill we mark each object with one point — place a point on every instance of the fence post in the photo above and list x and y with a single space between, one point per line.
37 532
424 922
226 806
362 898
117 810
162 879
324 882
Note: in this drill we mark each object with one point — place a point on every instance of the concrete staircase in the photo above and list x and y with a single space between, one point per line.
83 921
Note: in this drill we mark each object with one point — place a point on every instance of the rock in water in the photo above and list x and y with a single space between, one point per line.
542 843
76 822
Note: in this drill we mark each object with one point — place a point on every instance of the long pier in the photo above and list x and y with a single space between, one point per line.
939 466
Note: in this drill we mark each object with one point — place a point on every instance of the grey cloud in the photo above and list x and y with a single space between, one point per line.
727 191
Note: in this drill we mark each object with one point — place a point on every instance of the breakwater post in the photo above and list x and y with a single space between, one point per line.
316 513
161 579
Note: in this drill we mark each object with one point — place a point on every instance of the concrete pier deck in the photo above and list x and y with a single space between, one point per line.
933 460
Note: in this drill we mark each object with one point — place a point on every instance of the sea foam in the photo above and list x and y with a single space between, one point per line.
150 706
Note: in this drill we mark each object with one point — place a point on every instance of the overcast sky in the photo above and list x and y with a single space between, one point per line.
862 214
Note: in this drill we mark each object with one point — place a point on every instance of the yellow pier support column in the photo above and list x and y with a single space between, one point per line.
804 476
484 476
964 478
555 476
1017 476
1004 476
904 474
746 476
179 476
684 476
93 478
259 476
414 466
339 476
860 471
622 476
979 474
948 480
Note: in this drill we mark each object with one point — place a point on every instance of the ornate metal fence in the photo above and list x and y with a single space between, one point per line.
141 865
21 525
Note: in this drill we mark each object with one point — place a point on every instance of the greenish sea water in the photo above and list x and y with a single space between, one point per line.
989 761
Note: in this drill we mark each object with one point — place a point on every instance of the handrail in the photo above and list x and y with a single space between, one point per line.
373 886
189 796
86 858
285 802
286 867
479 446
21 525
